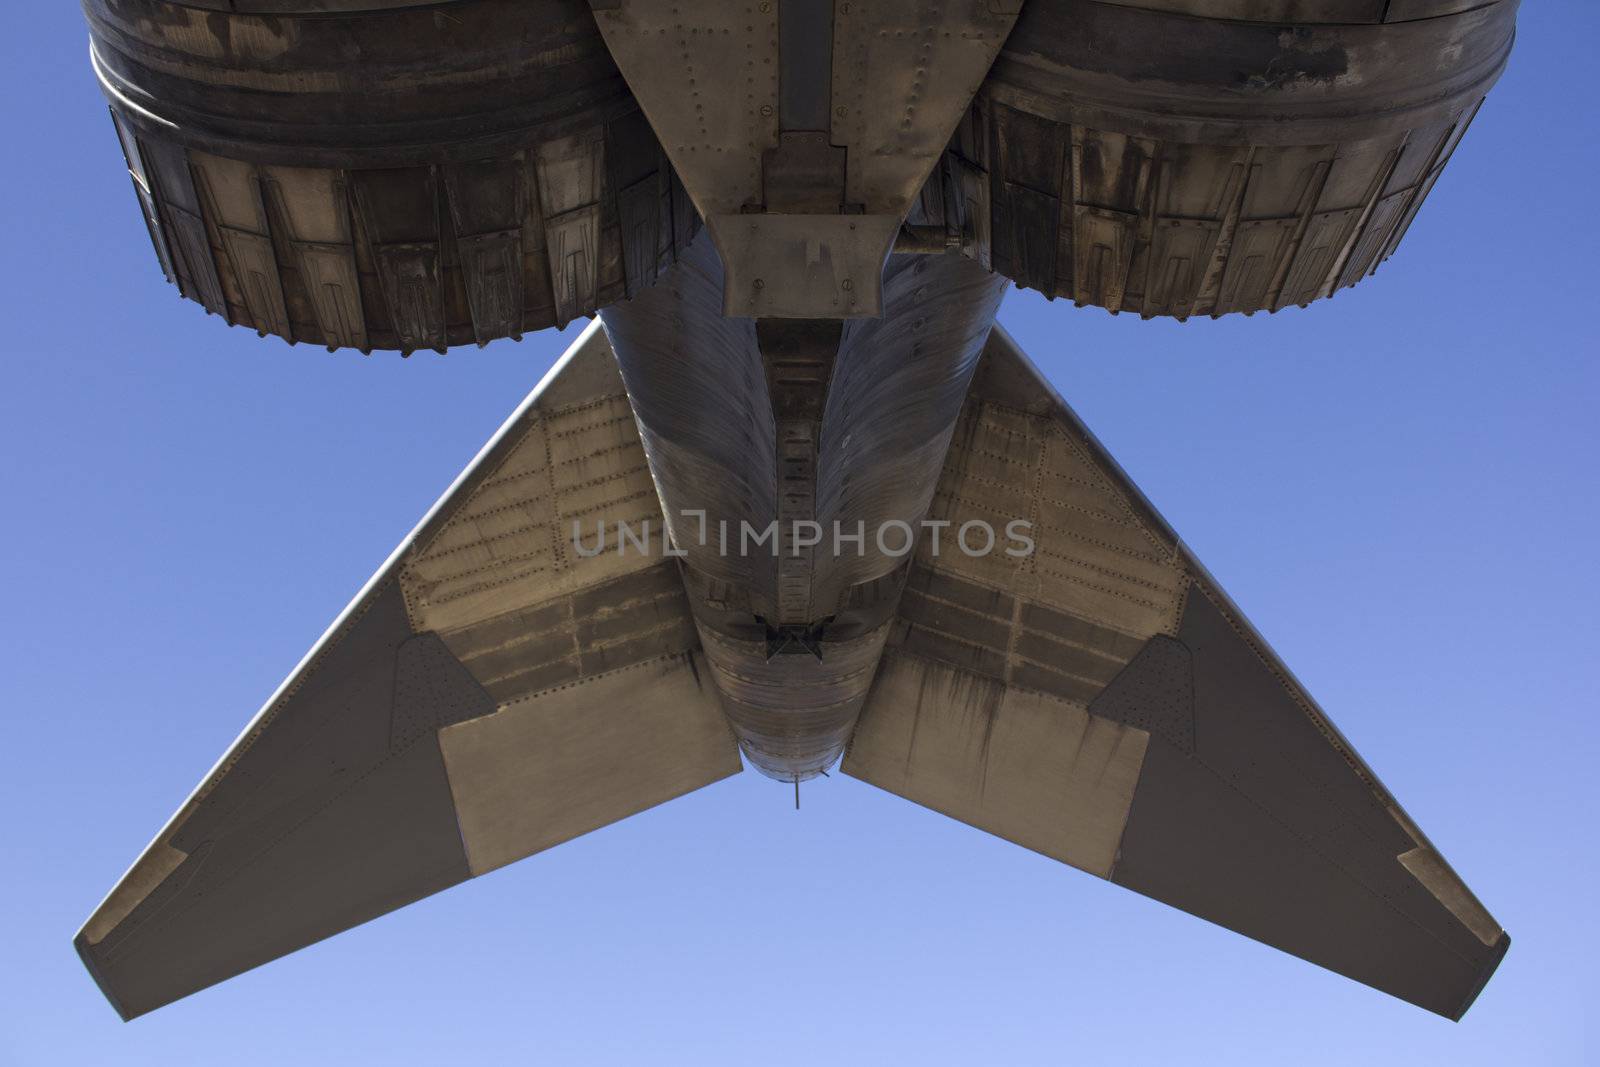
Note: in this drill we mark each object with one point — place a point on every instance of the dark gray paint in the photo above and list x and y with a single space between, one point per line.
1267 830
805 71
1154 692
338 811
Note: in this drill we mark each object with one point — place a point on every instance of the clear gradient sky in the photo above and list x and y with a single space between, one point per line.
1398 486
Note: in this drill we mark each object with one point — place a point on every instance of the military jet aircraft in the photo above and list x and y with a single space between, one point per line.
793 499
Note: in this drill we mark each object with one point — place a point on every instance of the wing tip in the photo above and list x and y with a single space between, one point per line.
1490 965
81 944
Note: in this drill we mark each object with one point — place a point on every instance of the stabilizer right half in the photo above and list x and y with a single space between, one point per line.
1102 701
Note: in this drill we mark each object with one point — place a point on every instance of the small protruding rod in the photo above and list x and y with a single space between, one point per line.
797 792
926 240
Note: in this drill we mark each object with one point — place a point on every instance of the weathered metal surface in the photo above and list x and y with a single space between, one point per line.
540 658
803 266
1166 157
793 712
481 172
741 451
1250 809
699 393
989 626
1005 759
542 770
804 130
706 76
513 540
903 73
1140 159
799 356
562 639
463 80
349 795
1094 555
897 388
1308 11
302 7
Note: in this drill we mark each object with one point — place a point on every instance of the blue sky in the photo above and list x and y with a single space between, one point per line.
1398 486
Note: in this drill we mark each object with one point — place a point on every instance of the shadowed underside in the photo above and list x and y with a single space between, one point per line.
795 221
491 167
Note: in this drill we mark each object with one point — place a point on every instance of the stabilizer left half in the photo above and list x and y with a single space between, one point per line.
488 694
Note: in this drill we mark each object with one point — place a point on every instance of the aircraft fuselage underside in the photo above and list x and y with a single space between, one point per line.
892 544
